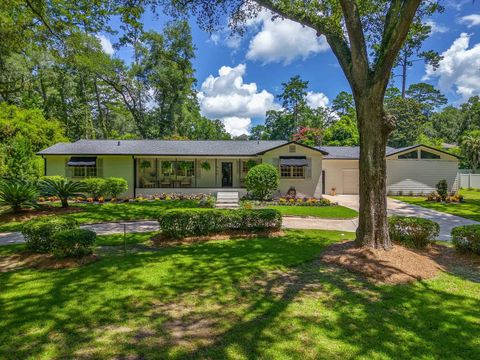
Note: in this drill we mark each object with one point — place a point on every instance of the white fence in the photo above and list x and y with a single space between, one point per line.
467 181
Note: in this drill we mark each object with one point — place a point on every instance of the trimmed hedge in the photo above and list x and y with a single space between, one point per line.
412 232
467 238
39 232
180 223
73 242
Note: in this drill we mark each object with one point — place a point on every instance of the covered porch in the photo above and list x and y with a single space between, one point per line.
173 174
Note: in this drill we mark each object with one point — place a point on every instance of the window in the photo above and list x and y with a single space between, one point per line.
297 172
84 171
292 148
409 155
428 155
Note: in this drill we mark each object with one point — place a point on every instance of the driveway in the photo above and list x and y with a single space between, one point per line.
396 207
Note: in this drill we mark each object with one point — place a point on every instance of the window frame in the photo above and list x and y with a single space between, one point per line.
291 172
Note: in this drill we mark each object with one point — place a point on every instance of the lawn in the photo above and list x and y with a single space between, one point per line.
94 213
327 212
469 209
234 299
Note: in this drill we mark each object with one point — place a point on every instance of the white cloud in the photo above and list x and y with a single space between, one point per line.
316 100
470 20
436 28
459 68
106 44
282 40
228 98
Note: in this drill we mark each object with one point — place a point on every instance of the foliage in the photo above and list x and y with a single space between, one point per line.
343 132
23 133
308 136
471 148
39 232
413 232
96 187
201 222
343 104
115 186
205 165
73 243
442 189
467 238
18 195
62 188
262 181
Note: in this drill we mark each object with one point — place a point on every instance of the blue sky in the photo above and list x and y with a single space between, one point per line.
253 67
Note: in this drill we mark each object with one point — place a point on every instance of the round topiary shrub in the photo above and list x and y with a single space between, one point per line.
73 243
115 186
412 232
467 238
39 232
262 181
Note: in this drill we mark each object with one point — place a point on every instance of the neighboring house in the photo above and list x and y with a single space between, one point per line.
162 166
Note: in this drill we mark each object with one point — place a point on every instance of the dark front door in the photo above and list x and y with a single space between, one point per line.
227 174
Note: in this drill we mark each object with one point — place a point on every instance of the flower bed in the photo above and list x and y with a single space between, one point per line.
294 201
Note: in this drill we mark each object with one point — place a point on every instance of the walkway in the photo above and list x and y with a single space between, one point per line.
396 207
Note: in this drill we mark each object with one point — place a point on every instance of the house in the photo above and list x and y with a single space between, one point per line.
162 166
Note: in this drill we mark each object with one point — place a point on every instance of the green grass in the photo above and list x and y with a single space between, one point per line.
469 209
118 239
234 299
94 213
327 212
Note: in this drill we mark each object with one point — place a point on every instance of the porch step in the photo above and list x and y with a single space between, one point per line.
227 200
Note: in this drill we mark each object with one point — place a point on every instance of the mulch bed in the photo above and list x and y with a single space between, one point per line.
399 265
162 241
42 210
42 261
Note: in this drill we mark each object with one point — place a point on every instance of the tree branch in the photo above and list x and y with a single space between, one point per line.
397 25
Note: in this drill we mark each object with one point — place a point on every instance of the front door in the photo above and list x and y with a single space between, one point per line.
227 174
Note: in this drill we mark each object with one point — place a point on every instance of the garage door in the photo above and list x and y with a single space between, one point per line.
350 181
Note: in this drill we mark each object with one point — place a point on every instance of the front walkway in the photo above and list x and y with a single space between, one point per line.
396 207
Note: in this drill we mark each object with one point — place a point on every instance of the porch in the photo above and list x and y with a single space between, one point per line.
168 175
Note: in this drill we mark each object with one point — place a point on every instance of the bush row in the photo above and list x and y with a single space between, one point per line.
467 238
180 223
60 236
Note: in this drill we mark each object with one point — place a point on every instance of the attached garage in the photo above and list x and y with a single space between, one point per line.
350 181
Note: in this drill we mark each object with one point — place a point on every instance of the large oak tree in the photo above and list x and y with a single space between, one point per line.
366 37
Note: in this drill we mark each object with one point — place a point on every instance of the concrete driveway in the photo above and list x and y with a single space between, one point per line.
396 207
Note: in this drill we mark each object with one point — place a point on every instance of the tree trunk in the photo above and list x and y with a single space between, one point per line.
64 202
374 127
404 76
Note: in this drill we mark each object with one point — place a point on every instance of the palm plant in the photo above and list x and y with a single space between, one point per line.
62 188
18 195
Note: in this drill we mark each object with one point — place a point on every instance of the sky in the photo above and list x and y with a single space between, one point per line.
239 77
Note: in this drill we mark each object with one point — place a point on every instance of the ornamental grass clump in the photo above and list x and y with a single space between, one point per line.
412 232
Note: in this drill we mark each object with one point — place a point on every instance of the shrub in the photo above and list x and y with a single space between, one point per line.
262 180
467 238
62 188
180 223
442 189
18 195
115 186
39 232
95 187
412 232
73 242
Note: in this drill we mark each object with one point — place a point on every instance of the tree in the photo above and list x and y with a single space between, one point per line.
447 124
471 148
343 132
309 136
366 37
343 104
425 94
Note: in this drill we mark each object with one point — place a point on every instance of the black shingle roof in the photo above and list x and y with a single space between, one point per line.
163 147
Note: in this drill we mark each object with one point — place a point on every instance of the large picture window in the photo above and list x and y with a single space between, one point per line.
428 155
82 167
84 171
289 172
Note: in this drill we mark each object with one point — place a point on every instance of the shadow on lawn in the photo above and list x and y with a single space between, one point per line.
217 299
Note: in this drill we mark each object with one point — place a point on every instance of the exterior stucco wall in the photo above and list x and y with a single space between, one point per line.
55 165
334 172
119 166
310 186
